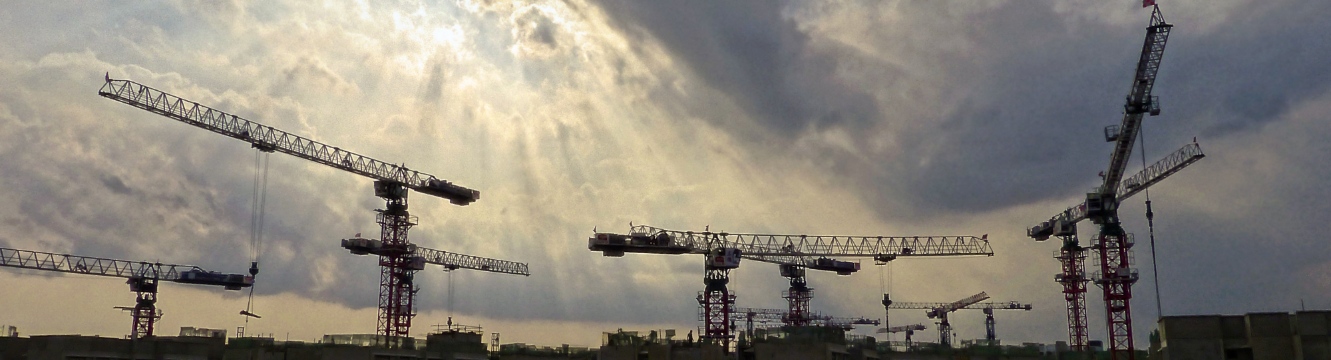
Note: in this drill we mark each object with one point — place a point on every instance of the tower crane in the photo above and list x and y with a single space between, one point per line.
987 307
141 276
398 257
940 312
772 316
908 329
1114 245
990 333
724 250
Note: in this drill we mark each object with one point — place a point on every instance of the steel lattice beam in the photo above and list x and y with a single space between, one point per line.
268 138
1072 257
777 246
453 260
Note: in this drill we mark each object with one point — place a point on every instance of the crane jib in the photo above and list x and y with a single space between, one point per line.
267 138
1151 175
1139 102
187 274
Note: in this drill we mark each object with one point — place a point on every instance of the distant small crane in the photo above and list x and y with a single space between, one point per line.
142 278
909 330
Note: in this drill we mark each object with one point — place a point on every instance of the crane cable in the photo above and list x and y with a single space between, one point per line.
258 202
1150 226
450 295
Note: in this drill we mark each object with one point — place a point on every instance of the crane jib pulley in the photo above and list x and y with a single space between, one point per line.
267 138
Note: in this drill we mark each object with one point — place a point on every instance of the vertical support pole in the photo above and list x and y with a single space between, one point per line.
797 297
990 333
1116 279
1072 257
397 265
717 305
944 331
144 313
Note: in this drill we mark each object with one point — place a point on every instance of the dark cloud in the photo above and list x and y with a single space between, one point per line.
750 52
114 184
1024 102
1248 72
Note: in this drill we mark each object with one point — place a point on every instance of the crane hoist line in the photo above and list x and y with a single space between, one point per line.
399 259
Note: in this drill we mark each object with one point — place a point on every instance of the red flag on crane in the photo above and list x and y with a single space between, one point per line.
1148 3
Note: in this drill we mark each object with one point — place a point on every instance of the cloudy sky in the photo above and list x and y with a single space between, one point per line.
812 117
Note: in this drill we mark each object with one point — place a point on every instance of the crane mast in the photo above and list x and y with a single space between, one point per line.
793 253
397 258
141 276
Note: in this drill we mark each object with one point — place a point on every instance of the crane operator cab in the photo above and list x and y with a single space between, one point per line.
723 258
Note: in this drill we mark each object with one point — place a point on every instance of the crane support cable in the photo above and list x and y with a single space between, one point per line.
258 205
1150 228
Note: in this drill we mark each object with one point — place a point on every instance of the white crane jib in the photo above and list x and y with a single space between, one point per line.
954 306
